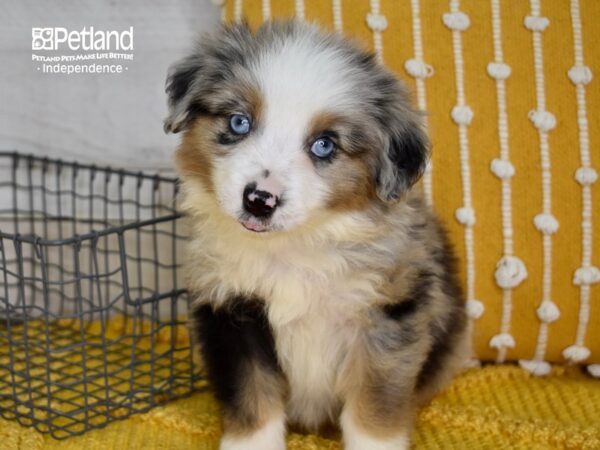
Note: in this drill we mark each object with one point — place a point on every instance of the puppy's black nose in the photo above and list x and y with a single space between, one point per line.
260 204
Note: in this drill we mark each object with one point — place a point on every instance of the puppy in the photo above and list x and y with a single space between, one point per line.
323 288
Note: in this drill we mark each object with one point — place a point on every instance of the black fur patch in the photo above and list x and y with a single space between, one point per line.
444 337
416 300
408 152
180 81
444 340
230 337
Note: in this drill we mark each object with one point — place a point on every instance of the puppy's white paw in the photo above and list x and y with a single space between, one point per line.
356 439
270 437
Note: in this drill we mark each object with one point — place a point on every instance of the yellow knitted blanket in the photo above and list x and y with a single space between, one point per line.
495 407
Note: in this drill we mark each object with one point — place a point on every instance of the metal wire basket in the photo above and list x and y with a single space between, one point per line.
92 313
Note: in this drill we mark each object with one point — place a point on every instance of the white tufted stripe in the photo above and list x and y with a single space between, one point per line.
237 10
420 70
337 15
457 21
510 271
586 274
266 10
377 23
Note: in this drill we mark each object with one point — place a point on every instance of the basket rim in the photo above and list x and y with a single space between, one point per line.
36 240
93 167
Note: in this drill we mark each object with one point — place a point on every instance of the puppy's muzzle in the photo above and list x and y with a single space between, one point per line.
260 203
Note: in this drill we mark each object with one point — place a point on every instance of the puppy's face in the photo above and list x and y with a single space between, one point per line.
289 123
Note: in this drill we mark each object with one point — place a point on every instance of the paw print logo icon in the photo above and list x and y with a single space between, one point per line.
41 39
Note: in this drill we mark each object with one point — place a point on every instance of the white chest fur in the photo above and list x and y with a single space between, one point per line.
314 299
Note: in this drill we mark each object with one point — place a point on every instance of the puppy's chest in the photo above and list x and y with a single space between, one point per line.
315 314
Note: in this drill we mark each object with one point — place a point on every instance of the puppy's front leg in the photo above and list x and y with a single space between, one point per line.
238 349
380 392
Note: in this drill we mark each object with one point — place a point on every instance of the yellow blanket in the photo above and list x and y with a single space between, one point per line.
494 407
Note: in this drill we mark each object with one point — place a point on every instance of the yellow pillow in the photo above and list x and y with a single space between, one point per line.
512 171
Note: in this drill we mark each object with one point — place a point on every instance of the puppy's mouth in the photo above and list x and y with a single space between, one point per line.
256 226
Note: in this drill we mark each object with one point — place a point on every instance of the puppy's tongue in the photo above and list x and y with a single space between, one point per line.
253 225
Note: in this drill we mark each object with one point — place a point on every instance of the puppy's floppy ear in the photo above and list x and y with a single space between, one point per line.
193 81
405 145
181 92
403 160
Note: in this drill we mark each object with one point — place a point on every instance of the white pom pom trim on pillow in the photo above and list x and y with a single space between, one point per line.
548 312
502 340
462 115
546 223
475 309
465 216
539 368
543 120
586 176
580 75
586 275
377 22
594 370
418 69
458 21
510 272
498 71
576 353
536 23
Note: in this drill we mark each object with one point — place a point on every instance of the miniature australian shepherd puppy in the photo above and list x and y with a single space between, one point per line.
323 288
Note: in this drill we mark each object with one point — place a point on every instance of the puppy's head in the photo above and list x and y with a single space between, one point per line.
288 123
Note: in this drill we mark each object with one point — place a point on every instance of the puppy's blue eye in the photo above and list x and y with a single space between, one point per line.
322 147
239 124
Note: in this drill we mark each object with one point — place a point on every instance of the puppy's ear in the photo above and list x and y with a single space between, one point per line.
403 160
193 82
181 92
405 147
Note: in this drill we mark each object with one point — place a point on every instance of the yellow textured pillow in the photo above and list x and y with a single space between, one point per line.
513 116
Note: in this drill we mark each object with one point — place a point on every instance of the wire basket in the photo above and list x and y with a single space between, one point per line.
92 313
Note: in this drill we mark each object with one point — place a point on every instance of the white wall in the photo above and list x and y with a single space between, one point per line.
111 119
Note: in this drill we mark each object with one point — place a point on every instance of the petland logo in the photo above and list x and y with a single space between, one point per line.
85 51
87 39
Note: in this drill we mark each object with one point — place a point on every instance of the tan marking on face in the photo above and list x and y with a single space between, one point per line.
350 183
350 174
194 157
253 102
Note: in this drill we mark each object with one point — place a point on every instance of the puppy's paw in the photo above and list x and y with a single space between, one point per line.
365 442
270 437
355 438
